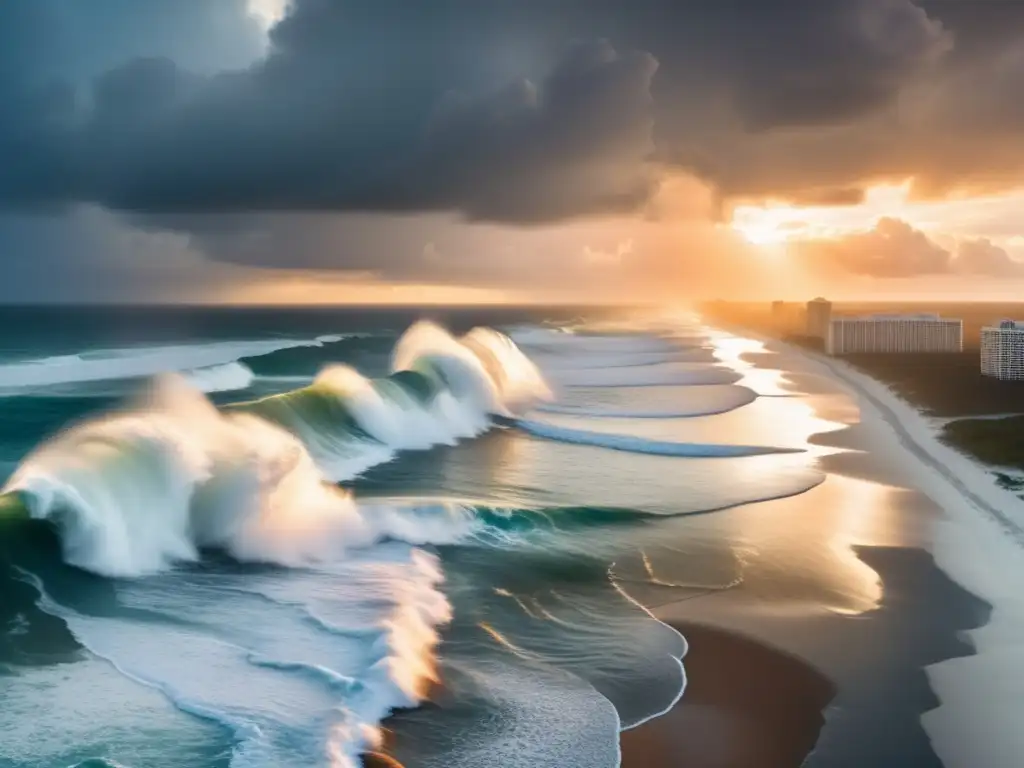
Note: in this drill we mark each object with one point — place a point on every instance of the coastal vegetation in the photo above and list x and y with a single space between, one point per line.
951 385
994 441
945 384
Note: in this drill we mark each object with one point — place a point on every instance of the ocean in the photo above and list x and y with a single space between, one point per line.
333 533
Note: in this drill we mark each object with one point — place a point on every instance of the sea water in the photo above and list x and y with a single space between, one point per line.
249 537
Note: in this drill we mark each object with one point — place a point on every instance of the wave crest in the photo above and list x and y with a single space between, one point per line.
137 491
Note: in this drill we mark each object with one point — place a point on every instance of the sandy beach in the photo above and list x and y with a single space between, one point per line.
746 704
852 636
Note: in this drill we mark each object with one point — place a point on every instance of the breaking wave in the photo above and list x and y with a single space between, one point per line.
135 492
140 491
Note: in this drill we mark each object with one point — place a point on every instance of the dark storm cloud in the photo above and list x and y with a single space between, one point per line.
575 142
895 249
502 111
88 255
806 63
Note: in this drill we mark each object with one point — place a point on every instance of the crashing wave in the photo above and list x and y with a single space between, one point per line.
137 491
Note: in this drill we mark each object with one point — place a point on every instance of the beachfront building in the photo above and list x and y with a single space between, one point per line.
819 313
1002 350
894 333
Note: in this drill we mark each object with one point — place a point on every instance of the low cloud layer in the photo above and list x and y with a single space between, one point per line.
894 249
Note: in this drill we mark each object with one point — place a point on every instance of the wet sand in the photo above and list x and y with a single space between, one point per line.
746 704
811 641
818 656
848 690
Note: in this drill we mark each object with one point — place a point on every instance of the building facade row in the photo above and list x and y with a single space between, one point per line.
894 333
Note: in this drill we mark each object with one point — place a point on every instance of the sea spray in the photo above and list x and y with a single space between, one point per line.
136 491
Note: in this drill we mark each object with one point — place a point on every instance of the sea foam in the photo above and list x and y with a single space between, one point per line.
205 361
138 492
135 492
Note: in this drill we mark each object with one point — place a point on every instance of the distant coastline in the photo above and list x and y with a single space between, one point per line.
979 416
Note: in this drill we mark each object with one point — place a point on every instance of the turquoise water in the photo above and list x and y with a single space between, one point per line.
446 529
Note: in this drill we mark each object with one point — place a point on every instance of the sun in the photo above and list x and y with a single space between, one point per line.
762 235
772 225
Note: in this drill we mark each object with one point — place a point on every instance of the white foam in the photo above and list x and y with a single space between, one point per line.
292 695
694 401
136 492
673 374
229 377
635 444
140 490
979 544
558 361
557 340
138 362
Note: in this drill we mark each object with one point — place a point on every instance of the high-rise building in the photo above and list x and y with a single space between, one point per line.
1002 350
819 313
894 333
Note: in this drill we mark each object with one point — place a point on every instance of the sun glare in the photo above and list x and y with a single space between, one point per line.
268 12
767 226
776 223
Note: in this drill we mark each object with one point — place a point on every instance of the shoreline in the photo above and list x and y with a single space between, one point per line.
977 542
783 672
945 590
745 704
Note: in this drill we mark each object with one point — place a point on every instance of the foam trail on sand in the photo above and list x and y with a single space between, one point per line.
673 374
976 723
695 401
635 444
560 362
552 341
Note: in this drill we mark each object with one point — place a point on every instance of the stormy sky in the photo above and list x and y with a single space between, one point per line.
607 149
